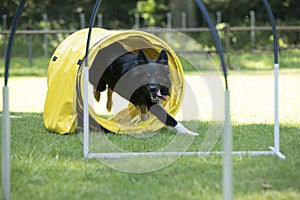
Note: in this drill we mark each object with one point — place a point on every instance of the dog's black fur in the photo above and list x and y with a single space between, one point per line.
147 95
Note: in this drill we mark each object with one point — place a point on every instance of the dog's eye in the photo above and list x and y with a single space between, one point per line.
148 75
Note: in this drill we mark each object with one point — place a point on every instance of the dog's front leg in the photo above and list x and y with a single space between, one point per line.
97 94
144 115
109 99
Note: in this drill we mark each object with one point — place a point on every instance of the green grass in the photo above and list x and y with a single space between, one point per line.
19 66
264 60
259 61
51 166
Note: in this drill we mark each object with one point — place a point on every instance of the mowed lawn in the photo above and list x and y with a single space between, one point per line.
51 166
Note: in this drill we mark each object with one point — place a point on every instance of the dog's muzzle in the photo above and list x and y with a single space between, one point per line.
155 93
153 90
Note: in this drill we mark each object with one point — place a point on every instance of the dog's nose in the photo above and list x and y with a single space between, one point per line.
153 87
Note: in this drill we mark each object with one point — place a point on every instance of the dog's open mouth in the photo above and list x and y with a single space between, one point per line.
155 96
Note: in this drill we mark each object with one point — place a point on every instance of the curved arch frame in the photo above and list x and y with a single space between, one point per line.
227 124
6 135
276 148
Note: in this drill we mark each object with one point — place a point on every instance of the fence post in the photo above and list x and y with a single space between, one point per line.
45 18
4 27
82 20
29 42
136 20
183 20
183 25
252 33
227 45
100 20
4 21
169 20
219 17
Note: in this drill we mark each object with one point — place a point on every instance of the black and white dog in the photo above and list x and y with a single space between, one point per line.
143 82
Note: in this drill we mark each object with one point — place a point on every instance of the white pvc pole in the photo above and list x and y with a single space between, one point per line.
5 146
276 115
85 112
276 148
187 153
227 149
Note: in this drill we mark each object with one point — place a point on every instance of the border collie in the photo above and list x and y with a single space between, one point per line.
143 82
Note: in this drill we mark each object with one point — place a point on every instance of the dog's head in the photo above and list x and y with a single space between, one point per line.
156 76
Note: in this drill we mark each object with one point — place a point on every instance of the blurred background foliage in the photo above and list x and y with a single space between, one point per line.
119 14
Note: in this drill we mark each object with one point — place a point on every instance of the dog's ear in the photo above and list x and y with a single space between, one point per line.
162 58
141 58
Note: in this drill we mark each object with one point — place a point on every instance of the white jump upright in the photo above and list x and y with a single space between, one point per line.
276 148
227 149
85 84
6 135
86 112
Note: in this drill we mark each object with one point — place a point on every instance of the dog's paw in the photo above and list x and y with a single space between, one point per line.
182 130
144 117
109 105
97 95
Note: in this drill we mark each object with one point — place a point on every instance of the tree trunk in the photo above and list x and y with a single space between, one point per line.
190 9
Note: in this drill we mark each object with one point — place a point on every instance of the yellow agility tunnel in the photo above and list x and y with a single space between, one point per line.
63 108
